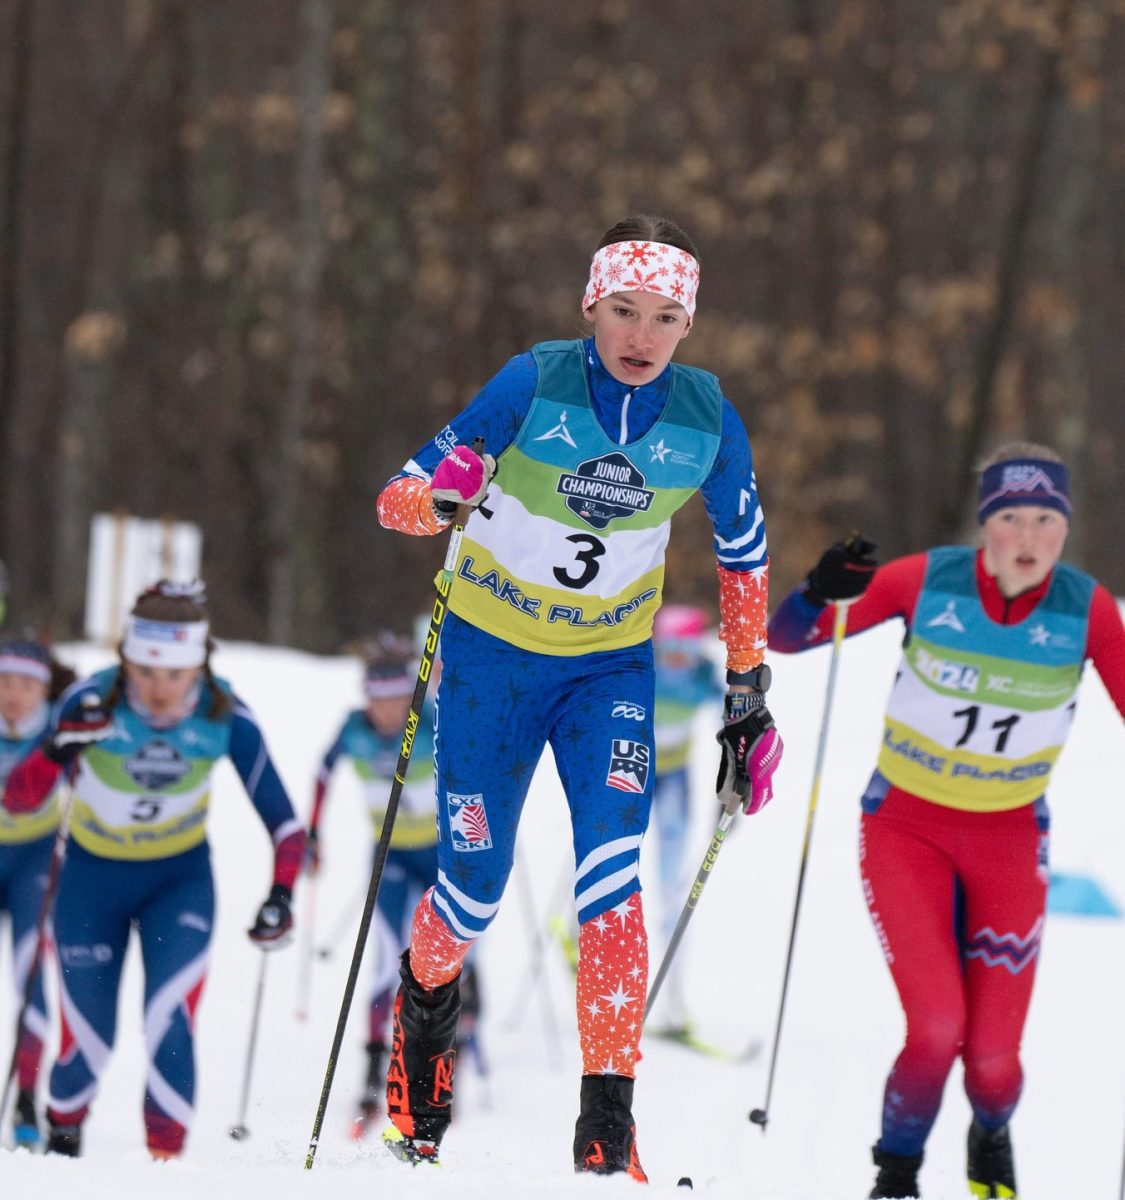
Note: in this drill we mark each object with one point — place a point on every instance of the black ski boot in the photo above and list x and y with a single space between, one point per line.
992 1173
370 1101
605 1135
898 1175
25 1127
64 1139
420 1073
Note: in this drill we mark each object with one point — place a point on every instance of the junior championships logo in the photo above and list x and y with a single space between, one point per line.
158 764
603 489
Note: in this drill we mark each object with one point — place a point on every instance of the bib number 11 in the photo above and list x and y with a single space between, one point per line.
1003 727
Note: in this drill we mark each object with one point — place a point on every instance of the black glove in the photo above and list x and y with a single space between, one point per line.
273 926
92 723
843 572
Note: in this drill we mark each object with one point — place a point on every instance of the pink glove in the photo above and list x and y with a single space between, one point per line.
751 750
763 759
462 477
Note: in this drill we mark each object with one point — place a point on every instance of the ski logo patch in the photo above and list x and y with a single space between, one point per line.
628 710
602 489
559 431
468 822
442 1095
947 618
628 766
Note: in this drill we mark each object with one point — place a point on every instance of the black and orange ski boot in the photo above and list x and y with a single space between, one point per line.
420 1072
605 1135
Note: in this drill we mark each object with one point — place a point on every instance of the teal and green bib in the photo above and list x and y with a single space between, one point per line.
143 793
566 556
17 828
979 711
375 759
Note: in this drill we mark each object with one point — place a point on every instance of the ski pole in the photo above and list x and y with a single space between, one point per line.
240 1131
304 967
1121 1191
538 950
760 1116
731 804
538 957
343 924
437 617
58 854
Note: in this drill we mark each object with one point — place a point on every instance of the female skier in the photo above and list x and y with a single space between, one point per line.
953 839
139 742
30 678
596 443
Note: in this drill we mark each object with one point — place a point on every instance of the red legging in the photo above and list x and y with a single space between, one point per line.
958 900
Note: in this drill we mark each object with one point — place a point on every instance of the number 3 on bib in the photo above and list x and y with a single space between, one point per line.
592 549
147 808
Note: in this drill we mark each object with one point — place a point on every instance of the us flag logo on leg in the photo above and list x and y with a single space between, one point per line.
628 766
468 822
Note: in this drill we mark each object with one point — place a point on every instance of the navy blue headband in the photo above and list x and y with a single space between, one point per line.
1023 481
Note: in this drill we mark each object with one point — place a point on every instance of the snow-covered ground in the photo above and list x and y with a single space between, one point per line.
842 1028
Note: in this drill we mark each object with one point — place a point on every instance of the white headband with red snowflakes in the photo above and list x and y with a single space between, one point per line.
643 267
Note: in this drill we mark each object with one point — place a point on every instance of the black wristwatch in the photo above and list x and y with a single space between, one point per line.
759 678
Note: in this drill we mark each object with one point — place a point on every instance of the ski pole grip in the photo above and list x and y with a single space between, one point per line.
461 515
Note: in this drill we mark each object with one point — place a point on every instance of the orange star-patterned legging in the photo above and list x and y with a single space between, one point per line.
612 978
612 985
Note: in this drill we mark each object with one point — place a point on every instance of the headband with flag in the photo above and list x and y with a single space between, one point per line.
165 643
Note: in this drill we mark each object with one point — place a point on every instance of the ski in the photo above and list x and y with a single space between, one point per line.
688 1040
409 1150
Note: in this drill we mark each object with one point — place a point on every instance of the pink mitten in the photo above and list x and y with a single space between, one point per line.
462 477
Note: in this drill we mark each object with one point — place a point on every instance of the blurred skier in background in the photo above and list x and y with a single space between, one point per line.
139 741
686 681
370 738
30 680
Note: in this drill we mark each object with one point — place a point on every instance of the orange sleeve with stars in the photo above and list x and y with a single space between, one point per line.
743 611
405 504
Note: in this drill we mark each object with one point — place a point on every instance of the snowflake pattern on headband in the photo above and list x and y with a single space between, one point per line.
643 267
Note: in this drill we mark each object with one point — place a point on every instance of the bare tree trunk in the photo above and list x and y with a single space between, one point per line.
468 215
317 22
71 384
91 343
1013 248
10 212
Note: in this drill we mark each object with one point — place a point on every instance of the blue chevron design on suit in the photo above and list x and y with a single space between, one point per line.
1007 950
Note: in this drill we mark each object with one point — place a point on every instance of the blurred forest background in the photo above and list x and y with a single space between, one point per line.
254 252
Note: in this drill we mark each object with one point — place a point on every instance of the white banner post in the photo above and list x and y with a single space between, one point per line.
128 554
